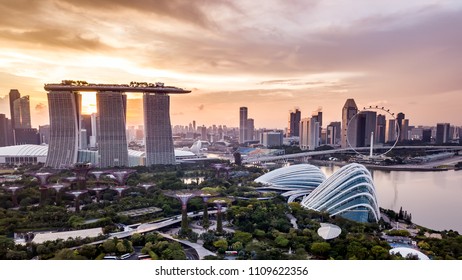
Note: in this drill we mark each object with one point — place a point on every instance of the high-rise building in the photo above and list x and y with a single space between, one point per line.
243 131
392 131
309 133
250 129
442 133
304 133
65 121
6 132
272 139
158 130
403 125
334 133
426 135
112 137
366 122
293 127
86 124
13 95
44 132
349 110
204 133
64 111
380 129
21 108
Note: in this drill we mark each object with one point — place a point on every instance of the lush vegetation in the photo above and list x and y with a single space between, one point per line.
260 229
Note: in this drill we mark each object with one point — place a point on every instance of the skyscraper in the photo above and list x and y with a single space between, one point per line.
112 138
158 130
21 109
365 128
392 130
293 127
334 133
403 125
64 110
250 129
243 125
380 130
304 133
14 94
309 133
87 125
6 131
349 110
442 133
65 121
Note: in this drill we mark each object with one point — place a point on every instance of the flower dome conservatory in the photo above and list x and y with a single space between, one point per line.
349 192
292 181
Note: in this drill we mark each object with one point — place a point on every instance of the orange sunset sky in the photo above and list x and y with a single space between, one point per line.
270 56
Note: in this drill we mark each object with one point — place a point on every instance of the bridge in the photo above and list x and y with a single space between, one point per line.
128 232
307 155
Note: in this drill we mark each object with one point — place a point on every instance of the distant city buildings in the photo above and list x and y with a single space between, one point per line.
293 127
21 128
246 126
349 110
310 132
243 125
334 132
442 133
272 139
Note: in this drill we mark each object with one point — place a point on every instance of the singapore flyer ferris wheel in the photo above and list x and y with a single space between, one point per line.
368 129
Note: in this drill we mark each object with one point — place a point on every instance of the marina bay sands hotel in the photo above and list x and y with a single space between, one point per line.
64 101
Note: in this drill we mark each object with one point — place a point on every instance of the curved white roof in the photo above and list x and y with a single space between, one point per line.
329 231
349 192
404 251
294 180
293 177
24 150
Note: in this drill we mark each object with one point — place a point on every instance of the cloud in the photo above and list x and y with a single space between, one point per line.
40 108
196 12
54 38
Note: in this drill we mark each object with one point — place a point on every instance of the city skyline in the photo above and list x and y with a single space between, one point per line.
307 54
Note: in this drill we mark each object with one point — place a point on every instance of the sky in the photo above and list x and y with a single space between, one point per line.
270 56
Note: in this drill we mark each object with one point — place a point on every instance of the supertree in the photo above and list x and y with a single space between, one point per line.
58 187
183 197
98 189
121 176
119 189
81 170
13 189
97 174
76 194
227 169
43 178
218 167
219 202
146 187
205 218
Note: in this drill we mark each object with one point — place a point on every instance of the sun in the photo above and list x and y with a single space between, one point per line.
88 103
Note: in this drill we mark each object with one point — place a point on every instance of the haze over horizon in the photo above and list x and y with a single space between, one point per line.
268 56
